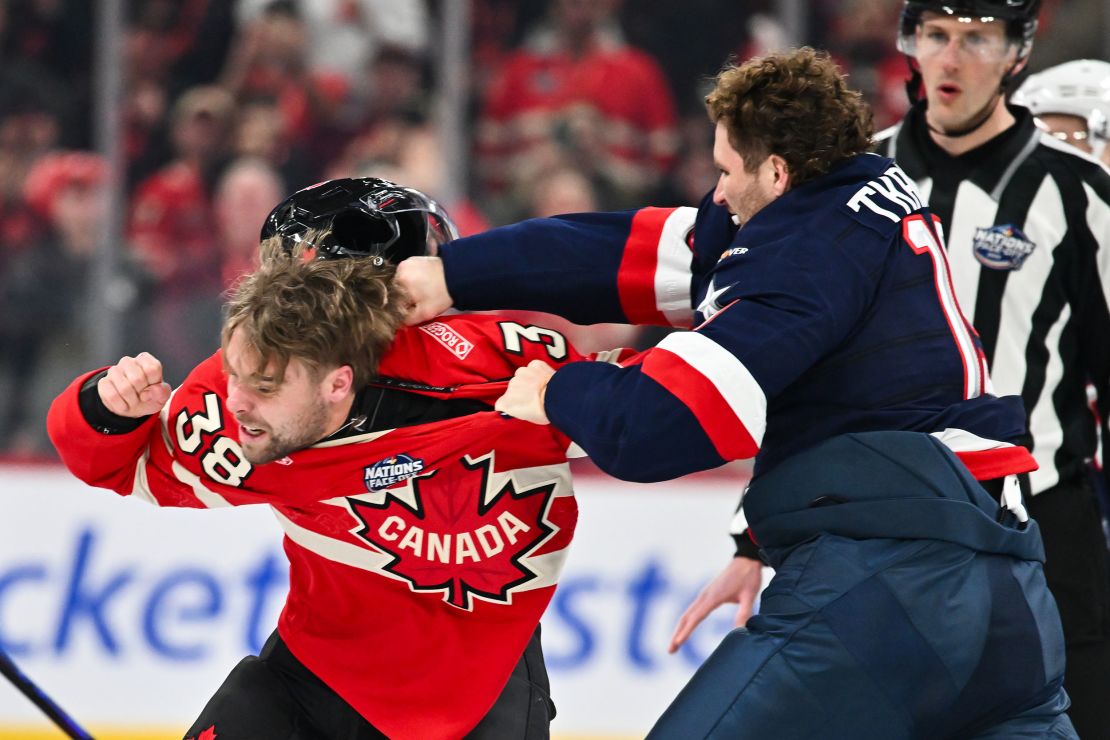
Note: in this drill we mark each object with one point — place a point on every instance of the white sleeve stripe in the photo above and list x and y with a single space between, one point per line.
727 374
961 440
1098 218
211 499
609 356
141 487
1045 425
673 271
335 550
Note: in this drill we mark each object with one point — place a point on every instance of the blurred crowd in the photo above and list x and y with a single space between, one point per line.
228 105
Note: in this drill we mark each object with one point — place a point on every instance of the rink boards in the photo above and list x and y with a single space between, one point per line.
130 616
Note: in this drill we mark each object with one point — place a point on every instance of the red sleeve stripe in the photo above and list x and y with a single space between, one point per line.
731 410
991 464
724 370
986 459
654 276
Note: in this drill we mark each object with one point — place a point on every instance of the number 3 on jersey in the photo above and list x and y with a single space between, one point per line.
924 238
224 462
515 334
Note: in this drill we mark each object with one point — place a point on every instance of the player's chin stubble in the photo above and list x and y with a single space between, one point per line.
307 430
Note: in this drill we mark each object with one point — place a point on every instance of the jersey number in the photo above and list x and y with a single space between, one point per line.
515 334
224 462
923 238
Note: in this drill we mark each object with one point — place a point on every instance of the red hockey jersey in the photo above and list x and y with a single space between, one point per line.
421 558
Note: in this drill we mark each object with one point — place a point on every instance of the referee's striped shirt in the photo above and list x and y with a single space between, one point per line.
1027 221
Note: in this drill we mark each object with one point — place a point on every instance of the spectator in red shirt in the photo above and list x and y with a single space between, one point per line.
575 93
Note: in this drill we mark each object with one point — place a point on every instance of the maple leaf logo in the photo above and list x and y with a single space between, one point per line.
209 734
456 535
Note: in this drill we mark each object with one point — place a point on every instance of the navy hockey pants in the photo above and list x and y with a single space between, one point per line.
883 640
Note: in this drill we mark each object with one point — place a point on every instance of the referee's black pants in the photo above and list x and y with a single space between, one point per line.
273 696
1078 576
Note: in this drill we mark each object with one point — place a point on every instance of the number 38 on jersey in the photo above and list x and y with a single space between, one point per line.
198 433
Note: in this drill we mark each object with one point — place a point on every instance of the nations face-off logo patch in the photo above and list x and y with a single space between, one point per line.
385 473
1002 247
457 535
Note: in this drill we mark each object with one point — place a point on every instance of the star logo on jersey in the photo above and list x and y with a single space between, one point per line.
1002 247
709 305
462 531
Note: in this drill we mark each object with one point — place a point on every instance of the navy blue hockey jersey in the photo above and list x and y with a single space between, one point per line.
830 311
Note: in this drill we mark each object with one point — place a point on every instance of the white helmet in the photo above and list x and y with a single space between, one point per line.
1080 88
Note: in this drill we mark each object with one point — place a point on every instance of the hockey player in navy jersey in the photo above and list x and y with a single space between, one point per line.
909 599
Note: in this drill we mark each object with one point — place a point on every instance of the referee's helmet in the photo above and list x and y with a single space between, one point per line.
1020 17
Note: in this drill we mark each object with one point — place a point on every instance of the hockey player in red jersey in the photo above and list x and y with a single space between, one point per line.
425 532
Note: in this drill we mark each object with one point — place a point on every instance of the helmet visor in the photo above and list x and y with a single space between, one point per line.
439 228
981 38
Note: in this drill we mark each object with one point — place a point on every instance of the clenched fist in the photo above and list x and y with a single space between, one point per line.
423 281
134 387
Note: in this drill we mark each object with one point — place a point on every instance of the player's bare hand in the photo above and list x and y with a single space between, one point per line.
424 282
738 583
524 396
134 386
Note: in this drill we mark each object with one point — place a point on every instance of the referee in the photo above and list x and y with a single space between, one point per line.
1027 220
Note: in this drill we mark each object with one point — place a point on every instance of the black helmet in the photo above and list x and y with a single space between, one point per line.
367 217
1020 17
